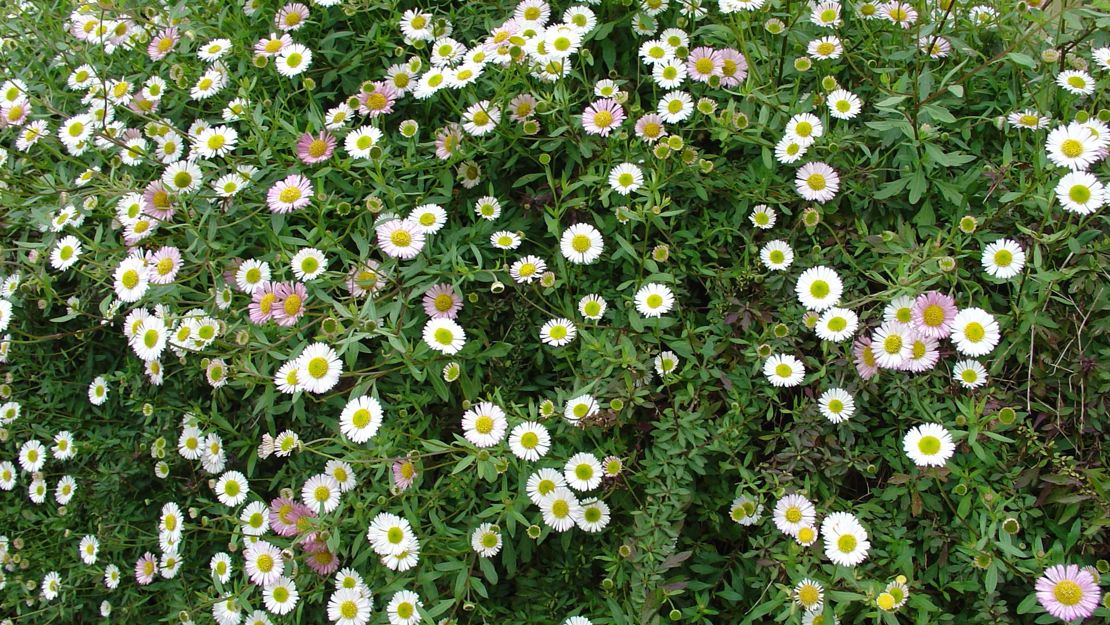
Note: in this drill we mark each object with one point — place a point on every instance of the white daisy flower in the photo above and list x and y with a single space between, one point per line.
581 244
846 541
583 471
836 405
444 335
975 332
1003 259
318 368
784 370
929 445
969 373
654 300
484 425
819 288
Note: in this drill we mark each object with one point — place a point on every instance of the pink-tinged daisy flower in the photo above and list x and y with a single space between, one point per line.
601 117
157 201
316 149
163 265
448 139
289 301
291 17
932 314
146 568
378 101
650 128
441 302
404 473
703 64
162 44
734 67
290 194
284 516
522 107
273 44
261 308
1068 592
319 559
866 364
364 279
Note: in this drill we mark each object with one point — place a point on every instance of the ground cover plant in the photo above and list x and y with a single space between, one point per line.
599 312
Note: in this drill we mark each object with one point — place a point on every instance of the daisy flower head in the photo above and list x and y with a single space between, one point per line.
1028 119
481 118
745 511
131 280
321 493
819 288
626 178
486 540
583 471
1081 192
231 488
837 324
281 596
666 363
805 127
649 128
654 51
924 354
602 117
318 368
581 407
559 509
164 264
929 445
441 301
529 441
763 217
1068 592
828 47
252 275
809 595
893 344
1073 146
98 391
400 238
783 370
675 106
592 307
793 512
1003 259
669 74
975 332
308 264
846 540
290 194
527 269
581 244
969 373
558 332
505 240
361 419
791 149
654 300
65 253
404 608
837 405
263 563
898 13
361 143
817 182
843 104
932 314
1076 82
703 63
215 141
315 149
444 335
593 516
291 17
484 425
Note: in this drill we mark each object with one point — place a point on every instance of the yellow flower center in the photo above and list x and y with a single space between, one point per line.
846 543
654 300
318 367
793 515
603 119
292 304
816 182
892 344
289 195
1080 194
1003 258
483 424
929 445
1071 148
130 279
975 332
400 238
444 302
825 48
1067 592
783 370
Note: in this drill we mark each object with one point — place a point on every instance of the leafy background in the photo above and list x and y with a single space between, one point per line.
928 149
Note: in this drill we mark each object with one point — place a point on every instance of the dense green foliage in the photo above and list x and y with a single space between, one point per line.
930 172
